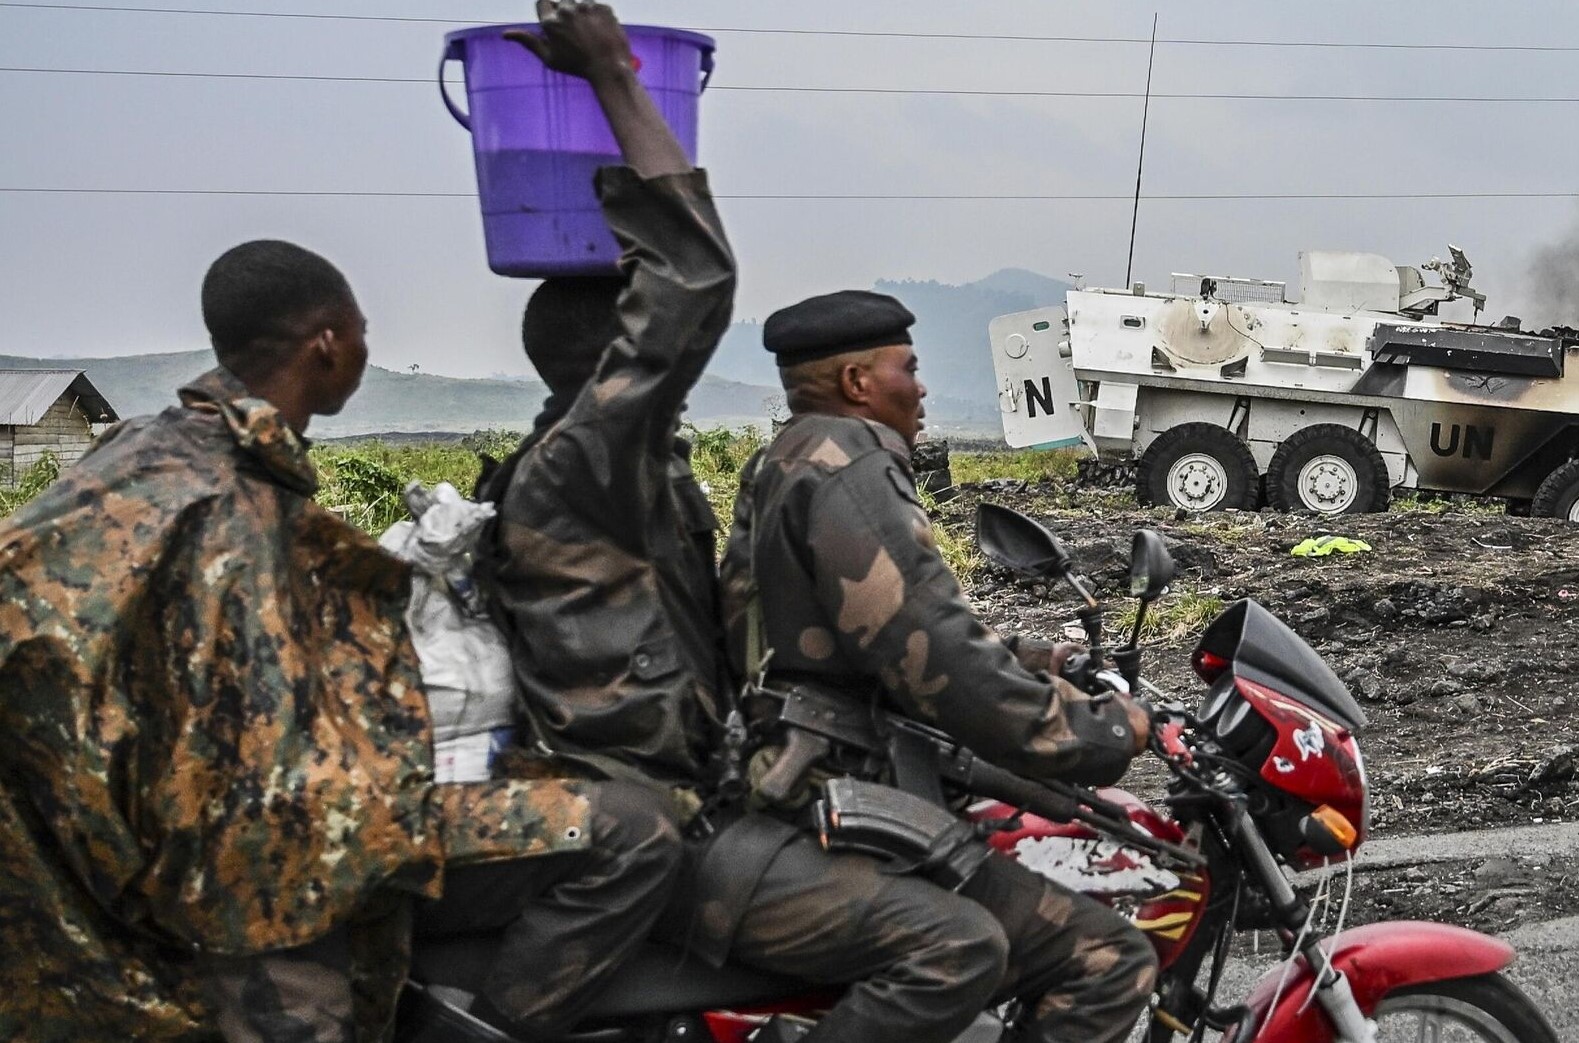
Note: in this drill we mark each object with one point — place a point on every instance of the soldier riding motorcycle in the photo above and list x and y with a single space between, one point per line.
1266 776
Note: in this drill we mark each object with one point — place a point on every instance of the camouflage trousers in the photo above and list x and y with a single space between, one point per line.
563 922
300 995
925 961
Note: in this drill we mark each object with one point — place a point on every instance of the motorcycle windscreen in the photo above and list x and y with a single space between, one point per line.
1261 648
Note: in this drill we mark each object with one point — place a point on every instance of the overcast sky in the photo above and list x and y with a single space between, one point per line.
119 274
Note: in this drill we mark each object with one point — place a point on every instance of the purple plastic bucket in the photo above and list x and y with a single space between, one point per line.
538 137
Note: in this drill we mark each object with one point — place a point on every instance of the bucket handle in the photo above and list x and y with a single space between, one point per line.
707 68
454 51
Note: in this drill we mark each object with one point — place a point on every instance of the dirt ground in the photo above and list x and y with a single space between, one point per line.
1456 632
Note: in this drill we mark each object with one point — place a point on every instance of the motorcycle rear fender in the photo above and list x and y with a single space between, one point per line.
1377 959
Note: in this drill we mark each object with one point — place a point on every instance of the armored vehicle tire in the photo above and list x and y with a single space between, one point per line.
1200 467
1558 495
1329 469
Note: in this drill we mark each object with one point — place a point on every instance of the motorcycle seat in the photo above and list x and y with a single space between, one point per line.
657 979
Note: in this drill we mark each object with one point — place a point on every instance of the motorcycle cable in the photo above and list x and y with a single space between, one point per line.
1343 913
1210 1018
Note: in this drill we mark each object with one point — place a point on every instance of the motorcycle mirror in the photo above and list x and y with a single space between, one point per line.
1150 566
1020 543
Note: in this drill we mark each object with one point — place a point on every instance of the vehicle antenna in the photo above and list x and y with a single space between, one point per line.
1140 165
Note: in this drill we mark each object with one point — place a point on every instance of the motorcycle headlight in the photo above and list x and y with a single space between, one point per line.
1217 697
1234 713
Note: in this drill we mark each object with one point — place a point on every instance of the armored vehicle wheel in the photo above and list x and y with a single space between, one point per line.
1200 467
1558 496
1330 469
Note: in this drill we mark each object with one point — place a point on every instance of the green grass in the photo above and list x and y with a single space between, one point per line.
363 481
1410 501
955 542
1179 615
1026 465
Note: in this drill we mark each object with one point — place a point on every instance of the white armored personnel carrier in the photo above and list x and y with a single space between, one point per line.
1224 390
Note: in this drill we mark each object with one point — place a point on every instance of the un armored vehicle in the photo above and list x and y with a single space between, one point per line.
1225 393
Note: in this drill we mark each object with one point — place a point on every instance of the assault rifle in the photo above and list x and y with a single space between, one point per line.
922 760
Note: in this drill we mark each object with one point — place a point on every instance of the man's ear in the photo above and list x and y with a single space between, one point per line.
853 383
322 346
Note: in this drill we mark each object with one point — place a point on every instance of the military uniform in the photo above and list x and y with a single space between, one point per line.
855 598
602 567
217 746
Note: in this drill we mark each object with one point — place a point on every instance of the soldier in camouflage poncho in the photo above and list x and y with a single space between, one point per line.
856 601
216 793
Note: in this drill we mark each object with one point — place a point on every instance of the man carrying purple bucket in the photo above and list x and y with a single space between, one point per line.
601 569
590 565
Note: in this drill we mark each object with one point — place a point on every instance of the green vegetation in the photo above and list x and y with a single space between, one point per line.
363 481
34 481
955 542
717 457
1025 465
1180 615
1436 503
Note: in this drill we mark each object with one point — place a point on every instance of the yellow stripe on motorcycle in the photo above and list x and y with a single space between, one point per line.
1170 926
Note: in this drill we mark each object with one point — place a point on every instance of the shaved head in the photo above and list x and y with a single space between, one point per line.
814 387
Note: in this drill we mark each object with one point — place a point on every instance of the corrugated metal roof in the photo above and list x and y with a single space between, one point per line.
27 394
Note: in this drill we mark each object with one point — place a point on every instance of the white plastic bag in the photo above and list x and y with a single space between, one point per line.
466 666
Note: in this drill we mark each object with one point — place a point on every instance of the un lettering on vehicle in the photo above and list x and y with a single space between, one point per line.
1037 388
1476 440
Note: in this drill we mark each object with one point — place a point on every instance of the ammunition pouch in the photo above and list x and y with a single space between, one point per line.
916 835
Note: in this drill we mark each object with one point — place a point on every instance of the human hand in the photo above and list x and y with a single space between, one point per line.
579 38
1040 656
1139 721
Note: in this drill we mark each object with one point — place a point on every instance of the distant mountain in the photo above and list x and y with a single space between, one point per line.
951 340
1021 282
741 385
386 401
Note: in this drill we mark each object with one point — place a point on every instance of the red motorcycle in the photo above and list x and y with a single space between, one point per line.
1267 777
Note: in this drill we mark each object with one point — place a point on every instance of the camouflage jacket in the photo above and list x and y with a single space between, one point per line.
602 566
215 738
854 594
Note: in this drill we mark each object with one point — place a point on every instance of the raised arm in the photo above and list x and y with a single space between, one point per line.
586 40
679 288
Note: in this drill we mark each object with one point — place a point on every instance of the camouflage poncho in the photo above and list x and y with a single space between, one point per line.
214 736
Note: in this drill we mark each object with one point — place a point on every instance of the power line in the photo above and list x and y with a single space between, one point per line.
1008 37
764 88
801 196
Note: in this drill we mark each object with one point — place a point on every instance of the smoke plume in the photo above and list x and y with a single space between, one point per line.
1551 290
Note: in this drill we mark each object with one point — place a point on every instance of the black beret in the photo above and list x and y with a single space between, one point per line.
850 320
